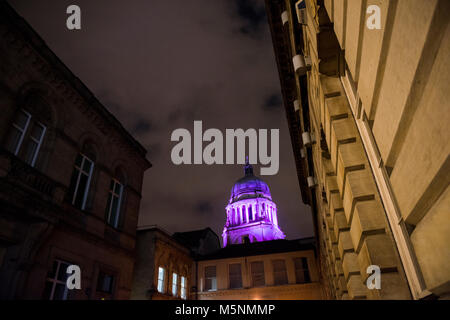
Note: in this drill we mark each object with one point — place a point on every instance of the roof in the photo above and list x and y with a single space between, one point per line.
261 248
192 239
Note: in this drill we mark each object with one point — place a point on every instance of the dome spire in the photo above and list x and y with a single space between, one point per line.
248 169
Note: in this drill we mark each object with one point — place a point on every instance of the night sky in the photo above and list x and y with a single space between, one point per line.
158 65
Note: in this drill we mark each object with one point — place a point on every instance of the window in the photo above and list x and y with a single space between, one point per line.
279 272
210 278
257 269
81 179
245 239
235 276
105 283
114 203
55 286
183 288
174 284
161 278
25 138
301 270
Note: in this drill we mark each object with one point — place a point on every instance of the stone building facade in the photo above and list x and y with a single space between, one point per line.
368 113
166 264
70 178
269 270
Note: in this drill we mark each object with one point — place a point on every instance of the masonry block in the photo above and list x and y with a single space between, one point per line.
335 252
356 287
359 186
350 264
342 131
342 284
345 243
332 238
368 218
338 269
340 223
331 86
350 157
377 250
393 287
345 296
330 185
335 108
335 204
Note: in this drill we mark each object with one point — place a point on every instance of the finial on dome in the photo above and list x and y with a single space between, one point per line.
248 169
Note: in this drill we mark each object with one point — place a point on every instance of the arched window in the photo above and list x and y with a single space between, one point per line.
81 177
115 199
28 129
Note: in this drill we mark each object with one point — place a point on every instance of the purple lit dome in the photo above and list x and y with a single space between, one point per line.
249 187
251 213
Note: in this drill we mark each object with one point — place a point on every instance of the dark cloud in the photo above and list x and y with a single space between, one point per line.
203 207
273 102
159 65
252 15
142 126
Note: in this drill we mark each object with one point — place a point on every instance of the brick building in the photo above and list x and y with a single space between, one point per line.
166 267
368 116
70 177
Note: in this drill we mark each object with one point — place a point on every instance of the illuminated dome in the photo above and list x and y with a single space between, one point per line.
249 187
251 213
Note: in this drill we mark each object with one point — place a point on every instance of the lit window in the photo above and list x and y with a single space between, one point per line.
55 286
105 283
26 137
114 202
279 272
210 278
161 276
301 270
183 287
81 179
235 275
174 284
257 269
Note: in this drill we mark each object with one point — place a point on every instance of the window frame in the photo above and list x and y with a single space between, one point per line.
284 273
109 205
235 275
23 131
55 280
175 284
183 288
161 289
304 268
112 283
252 273
212 279
25 134
81 171
39 143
